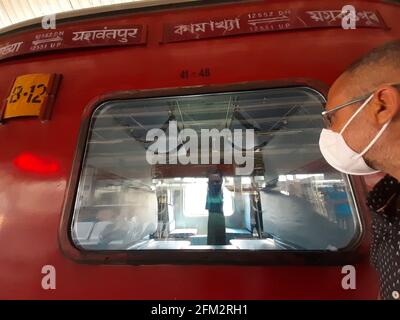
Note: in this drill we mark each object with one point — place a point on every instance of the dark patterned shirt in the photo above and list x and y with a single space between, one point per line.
384 200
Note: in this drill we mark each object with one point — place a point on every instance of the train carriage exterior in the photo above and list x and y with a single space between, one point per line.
77 168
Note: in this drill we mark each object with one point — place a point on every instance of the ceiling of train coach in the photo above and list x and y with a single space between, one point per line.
282 123
14 12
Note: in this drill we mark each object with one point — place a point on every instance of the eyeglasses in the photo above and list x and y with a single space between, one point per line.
327 115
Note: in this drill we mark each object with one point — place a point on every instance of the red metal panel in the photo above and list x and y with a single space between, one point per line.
31 202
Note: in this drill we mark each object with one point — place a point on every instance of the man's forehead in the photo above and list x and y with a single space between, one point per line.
337 93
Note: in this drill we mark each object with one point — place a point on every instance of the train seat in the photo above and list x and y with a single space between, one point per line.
213 247
183 233
161 245
255 244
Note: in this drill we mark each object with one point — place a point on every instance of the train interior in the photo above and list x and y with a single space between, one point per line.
285 198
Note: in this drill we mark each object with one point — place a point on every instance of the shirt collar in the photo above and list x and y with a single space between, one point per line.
383 194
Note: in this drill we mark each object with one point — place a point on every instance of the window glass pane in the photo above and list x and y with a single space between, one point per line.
234 171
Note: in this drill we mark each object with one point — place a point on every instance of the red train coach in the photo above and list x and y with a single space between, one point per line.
87 213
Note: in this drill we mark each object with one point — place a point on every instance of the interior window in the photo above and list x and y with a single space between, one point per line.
229 171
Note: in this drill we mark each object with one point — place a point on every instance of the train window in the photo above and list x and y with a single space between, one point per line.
228 171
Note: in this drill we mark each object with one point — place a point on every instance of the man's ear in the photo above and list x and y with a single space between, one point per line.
386 104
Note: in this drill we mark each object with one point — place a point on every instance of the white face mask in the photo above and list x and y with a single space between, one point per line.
340 156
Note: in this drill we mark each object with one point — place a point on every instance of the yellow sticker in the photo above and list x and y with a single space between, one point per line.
28 96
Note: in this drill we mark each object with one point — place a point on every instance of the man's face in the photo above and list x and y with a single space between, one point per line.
338 96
